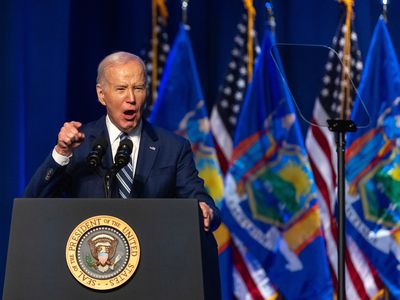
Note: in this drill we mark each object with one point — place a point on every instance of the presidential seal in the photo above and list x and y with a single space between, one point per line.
102 252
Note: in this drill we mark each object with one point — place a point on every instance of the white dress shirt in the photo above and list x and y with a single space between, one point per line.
114 134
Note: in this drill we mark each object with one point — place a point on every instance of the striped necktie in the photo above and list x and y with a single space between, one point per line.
125 176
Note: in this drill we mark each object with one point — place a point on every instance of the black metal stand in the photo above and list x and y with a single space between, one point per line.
340 127
109 179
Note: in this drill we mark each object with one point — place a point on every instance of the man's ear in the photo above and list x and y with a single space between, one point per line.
100 94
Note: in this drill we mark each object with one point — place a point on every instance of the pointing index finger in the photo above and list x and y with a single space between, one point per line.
76 124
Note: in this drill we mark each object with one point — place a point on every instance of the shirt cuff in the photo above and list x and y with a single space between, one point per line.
60 159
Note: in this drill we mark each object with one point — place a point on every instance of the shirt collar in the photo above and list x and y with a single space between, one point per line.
114 132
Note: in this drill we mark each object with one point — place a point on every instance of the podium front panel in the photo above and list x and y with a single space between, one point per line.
172 263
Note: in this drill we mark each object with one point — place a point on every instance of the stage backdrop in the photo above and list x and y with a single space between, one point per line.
50 50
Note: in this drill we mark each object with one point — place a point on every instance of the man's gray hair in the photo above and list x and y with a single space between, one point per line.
118 58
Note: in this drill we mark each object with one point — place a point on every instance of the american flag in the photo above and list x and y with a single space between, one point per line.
158 51
362 281
226 111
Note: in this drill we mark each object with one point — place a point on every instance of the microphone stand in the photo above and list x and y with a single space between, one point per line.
340 127
108 179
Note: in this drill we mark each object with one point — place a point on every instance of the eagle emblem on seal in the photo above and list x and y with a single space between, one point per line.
102 248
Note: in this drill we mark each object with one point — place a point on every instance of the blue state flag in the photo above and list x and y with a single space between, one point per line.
180 108
270 196
373 162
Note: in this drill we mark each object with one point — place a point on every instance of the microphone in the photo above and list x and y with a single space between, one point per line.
94 157
123 155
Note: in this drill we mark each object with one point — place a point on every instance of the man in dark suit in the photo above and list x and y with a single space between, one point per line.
162 163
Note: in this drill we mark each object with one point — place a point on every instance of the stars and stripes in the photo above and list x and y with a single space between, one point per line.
162 54
156 56
332 97
362 281
225 113
249 276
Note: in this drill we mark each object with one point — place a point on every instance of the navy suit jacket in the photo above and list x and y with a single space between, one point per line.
165 169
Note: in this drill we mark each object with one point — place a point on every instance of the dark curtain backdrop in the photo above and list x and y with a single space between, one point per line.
50 50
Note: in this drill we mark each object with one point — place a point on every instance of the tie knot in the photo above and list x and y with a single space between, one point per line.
123 136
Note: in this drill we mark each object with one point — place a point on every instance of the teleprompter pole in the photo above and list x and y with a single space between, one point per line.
340 127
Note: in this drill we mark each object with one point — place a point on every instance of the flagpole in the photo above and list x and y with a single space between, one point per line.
384 10
384 17
185 4
251 12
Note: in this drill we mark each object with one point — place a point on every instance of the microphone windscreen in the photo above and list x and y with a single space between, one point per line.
100 142
98 150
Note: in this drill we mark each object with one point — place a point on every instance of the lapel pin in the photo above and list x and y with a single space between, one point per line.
152 148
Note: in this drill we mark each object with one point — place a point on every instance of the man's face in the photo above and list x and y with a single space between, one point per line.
123 93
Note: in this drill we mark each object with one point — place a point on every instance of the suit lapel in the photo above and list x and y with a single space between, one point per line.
148 149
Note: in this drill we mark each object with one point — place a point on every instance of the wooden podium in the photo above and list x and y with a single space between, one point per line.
178 259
